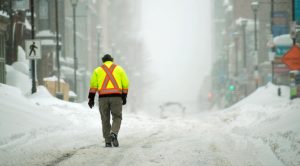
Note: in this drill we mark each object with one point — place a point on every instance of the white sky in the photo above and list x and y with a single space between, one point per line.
177 35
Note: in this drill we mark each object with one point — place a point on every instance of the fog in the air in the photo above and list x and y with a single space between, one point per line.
177 34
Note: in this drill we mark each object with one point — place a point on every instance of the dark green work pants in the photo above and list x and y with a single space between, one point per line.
110 106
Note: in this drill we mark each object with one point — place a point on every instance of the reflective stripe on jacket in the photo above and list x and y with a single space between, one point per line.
109 79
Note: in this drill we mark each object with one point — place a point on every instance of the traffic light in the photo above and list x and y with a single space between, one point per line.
210 96
231 87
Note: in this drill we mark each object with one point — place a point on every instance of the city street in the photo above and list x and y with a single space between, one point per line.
70 134
149 83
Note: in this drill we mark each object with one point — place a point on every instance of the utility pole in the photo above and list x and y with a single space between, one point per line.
11 51
74 4
33 89
294 21
254 6
98 44
271 14
271 29
244 24
58 93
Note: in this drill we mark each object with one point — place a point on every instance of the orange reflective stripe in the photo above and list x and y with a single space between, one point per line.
109 91
93 90
109 76
105 82
125 91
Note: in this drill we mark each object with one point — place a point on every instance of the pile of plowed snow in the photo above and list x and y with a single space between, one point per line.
273 119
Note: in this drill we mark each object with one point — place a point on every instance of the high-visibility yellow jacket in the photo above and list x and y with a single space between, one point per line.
109 79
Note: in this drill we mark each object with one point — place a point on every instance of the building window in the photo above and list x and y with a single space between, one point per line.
43 9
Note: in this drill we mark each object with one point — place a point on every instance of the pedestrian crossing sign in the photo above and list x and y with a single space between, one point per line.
33 49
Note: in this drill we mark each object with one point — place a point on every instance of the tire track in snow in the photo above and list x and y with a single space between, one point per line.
99 155
67 155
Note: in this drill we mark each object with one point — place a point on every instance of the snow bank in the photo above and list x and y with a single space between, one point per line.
30 126
265 95
19 117
18 73
270 118
18 79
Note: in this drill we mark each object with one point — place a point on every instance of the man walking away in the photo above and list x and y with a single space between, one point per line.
111 82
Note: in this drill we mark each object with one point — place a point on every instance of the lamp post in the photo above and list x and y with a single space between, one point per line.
98 44
236 37
33 89
74 4
293 31
59 94
243 23
254 6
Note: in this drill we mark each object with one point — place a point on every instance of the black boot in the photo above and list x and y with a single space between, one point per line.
108 144
114 139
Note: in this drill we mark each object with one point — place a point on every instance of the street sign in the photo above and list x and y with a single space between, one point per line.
281 50
297 10
33 49
280 23
292 58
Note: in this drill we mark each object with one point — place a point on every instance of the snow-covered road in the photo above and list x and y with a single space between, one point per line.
144 141
42 130
174 142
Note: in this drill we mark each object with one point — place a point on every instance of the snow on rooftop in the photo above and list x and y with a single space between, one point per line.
53 78
283 40
45 33
4 14
72 94
48 42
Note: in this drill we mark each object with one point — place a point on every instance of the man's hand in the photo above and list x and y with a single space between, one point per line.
124 96
124 101
91 103
91 100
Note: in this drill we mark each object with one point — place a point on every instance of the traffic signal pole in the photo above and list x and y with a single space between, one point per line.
33 89
293 20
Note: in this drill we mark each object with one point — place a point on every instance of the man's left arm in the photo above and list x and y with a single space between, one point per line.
125 85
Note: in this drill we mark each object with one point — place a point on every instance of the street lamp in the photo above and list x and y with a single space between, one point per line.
235 37
59 94
254 6
99 28
74 4
243 23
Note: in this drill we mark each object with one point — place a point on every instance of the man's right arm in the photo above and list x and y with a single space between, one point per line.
125 85
93 89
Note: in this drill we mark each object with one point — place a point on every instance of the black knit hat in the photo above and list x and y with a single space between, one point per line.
107 57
